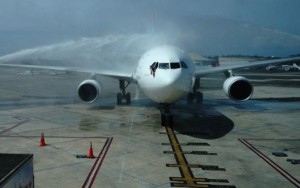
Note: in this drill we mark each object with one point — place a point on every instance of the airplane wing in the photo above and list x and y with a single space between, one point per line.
209 70
113 74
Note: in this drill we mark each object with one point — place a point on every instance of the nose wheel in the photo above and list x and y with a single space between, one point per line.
123 97
166 118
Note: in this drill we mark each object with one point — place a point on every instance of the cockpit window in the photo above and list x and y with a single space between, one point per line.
163 66
175 65
183 65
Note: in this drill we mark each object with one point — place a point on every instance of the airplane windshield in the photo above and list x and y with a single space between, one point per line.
172 65
164 66
175 65
183 65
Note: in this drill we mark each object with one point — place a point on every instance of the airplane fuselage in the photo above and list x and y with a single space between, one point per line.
165 74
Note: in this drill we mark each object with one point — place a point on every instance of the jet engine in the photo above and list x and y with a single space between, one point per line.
238 88
89 90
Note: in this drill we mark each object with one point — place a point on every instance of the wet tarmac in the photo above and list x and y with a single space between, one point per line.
221 142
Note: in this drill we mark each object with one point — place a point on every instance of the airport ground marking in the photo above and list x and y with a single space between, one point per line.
24 120
284 173
188 179
184 170
96 167
189 144
97 164
191 152
34 136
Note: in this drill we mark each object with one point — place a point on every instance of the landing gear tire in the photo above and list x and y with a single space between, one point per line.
190 98
162 120
199 98
119 98
123 95
166 120
126 97
166 117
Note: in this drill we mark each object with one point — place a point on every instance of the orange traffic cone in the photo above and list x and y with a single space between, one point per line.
42 141
91 154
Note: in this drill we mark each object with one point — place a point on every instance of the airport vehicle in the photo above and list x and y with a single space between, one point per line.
293 67
16 170
271 68
165 74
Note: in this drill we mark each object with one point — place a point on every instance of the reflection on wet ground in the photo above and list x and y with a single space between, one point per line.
140 149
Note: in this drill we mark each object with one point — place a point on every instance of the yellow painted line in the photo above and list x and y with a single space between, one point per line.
187 179
186 185
200 180
189 143
194 179
205 167
183 165
192 152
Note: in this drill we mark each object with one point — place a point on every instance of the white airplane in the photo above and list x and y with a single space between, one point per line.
165 74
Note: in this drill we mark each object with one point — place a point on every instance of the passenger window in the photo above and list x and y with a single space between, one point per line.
175 66
183 65
164 66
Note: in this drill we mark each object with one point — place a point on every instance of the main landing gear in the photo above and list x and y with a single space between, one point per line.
195 95
166 117
123 96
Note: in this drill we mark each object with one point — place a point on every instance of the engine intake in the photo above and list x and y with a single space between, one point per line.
89 91
238 88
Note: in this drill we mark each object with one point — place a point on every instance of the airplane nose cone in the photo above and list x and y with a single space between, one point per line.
171 87
171 78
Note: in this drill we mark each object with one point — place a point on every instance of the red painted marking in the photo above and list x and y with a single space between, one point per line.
105 148
102 159
284 173
94 165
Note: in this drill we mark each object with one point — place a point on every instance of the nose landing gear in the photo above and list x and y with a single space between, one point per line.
166 117
198 96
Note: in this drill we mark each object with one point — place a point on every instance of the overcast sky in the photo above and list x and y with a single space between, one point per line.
208 27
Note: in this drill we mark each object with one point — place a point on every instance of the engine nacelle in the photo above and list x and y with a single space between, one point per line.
89 90
238 88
